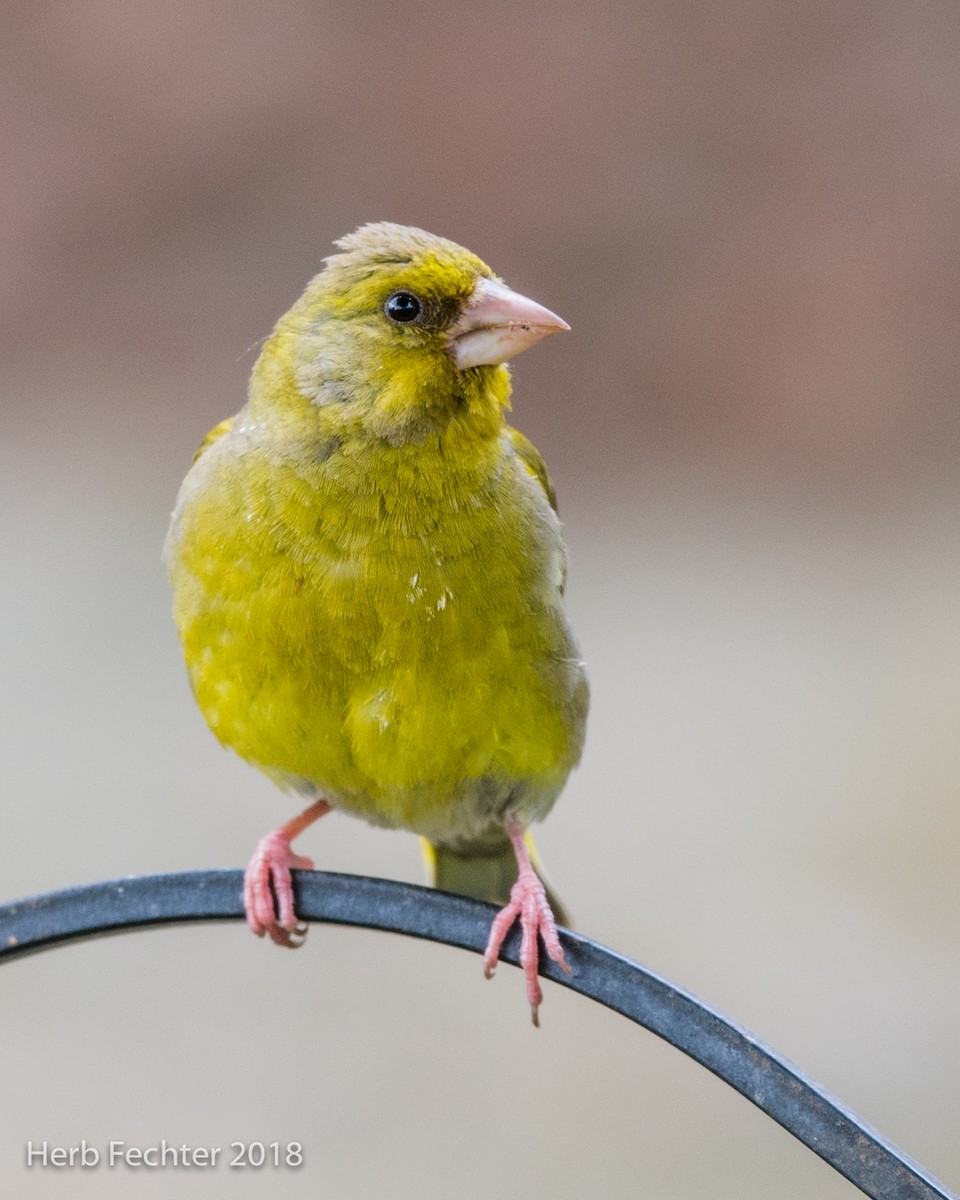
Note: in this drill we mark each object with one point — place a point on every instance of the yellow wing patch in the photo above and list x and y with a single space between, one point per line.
214 435
529 455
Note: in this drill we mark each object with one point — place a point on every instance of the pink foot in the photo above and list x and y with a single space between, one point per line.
528 901
267 885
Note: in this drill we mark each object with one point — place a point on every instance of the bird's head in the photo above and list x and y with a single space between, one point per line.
402 330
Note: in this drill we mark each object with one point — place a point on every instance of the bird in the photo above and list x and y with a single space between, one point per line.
368 569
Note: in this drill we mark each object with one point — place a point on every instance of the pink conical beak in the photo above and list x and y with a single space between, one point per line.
498 323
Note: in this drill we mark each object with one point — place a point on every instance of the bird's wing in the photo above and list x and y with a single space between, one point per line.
529 455
214 435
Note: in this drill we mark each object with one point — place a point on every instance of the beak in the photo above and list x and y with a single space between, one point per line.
498 323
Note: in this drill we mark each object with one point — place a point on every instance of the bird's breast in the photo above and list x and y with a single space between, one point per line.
386 629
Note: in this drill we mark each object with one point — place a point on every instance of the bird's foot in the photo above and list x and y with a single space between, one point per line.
268 890
267 885
528 901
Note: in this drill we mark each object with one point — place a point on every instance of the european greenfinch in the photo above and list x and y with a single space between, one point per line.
368 568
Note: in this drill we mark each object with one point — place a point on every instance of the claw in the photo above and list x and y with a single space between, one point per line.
528 902
268 886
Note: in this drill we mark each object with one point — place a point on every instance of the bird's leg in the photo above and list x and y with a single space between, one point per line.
528 901
267 886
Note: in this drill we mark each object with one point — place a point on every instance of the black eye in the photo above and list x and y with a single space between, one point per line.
403 307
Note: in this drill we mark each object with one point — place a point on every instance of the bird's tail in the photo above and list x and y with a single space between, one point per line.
486 874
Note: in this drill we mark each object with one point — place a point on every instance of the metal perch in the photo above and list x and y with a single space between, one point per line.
840 1137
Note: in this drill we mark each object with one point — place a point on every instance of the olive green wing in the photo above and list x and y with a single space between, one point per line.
529 455
215 434
531 458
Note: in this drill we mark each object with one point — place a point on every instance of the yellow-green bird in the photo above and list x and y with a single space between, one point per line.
368 568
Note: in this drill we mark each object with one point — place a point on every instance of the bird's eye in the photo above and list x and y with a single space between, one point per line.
402 307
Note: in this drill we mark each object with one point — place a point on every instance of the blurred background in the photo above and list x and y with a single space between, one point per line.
750 215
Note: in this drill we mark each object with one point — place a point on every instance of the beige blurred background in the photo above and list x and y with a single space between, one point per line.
750 215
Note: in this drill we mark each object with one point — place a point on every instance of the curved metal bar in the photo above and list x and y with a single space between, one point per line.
840 1137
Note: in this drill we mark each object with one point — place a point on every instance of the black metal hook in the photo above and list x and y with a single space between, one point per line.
841 1138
